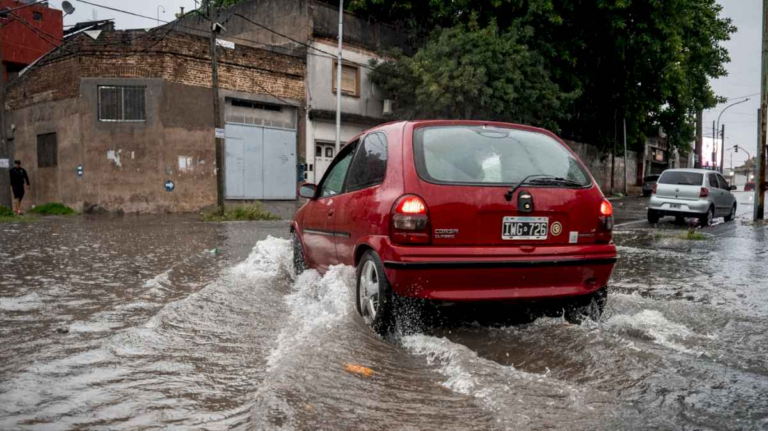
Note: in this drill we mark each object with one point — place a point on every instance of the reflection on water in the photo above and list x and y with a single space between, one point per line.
170 323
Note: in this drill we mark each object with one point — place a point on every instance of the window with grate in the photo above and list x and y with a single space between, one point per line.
37 16
47 151
122 103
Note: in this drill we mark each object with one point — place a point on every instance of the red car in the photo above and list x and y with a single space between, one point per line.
459 211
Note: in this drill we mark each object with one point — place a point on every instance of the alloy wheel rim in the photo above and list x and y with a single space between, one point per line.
369 291
709 217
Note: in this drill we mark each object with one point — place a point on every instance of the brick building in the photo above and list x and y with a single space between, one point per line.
27 34
124 120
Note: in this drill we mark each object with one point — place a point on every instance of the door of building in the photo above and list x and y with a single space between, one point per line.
324 153
260 163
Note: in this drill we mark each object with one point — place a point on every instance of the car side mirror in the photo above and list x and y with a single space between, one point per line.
732 188
307 191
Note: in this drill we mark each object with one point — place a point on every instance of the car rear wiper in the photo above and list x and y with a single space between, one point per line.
558 180
511 192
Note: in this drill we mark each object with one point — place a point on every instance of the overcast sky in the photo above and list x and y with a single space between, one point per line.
743 79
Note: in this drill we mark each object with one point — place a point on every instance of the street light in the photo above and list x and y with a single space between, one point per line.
161 7
717 130
749 157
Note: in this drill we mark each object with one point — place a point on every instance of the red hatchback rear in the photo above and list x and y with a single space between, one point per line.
459 211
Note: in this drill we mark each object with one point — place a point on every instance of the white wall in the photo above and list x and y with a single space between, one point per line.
320 96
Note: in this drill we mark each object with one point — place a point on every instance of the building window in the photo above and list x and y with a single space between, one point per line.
124 104
350 80
37 16
47 151
256 105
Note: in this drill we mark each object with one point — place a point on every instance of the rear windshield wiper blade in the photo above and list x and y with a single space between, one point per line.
526 180
556 180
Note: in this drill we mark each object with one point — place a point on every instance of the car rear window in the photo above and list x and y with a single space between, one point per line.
491 155
682 178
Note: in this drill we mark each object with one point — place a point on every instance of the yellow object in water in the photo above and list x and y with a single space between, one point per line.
358 369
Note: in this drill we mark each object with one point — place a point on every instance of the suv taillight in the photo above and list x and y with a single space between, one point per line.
410 221
606 222
654 188
704 192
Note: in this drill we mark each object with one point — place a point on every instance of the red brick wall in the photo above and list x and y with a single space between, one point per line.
177 57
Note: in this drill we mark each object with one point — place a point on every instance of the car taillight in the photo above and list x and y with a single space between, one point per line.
704 192
410 221
654 189
606 222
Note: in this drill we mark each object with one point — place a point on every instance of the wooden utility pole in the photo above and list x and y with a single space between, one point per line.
5 153
699 139
714 146
760 180
722 150
218 132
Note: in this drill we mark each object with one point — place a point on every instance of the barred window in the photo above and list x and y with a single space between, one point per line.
124 103
47 151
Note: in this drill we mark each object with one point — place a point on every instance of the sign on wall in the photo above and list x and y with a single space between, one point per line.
5 163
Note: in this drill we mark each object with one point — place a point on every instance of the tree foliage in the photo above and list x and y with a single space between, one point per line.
473 73
592 63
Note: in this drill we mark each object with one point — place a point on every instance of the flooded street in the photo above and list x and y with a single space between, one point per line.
169 323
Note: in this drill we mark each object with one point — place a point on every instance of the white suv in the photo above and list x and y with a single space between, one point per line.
692 193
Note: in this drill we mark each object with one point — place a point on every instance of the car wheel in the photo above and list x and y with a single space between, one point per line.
653 217
646 194
706 218
732 214
299 263
590 307
375 299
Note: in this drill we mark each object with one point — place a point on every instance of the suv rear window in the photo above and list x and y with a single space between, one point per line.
682 178
491 155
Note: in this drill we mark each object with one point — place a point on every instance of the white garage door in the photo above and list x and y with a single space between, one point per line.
260 163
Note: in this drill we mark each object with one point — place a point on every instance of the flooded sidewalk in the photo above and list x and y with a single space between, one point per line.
169 323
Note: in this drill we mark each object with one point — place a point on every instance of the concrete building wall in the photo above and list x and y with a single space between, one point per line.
50 184
127 164
599 165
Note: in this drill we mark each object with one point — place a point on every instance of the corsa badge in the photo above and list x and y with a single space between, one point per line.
556 228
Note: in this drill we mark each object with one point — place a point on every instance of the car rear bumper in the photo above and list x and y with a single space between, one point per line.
459 274
684 207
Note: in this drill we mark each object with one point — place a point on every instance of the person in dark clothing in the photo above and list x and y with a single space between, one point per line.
18 178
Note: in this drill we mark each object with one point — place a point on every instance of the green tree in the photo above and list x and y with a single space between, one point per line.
473 73
649 62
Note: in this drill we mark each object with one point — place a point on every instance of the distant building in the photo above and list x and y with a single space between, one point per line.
310 28
124 120
27 34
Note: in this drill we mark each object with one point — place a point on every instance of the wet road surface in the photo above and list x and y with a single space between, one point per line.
168 323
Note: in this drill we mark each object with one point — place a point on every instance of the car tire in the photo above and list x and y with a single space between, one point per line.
707 218
299 262
653 216
732 214
646 194
587 308
373 295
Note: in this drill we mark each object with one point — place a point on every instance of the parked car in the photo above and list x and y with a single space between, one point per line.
459 211
692 193
648 183
750 186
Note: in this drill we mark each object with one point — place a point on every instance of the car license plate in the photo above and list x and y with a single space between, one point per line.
674 206
517 228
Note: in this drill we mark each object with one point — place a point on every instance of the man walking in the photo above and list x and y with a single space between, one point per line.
18 178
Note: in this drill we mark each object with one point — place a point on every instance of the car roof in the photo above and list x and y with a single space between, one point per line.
698 171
